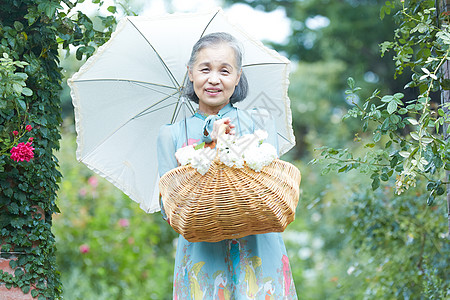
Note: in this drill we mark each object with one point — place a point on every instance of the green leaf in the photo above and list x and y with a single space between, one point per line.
34 293
431 185
200 146
13 264
22 104
382 14
26 289
427 140
343 169
79 53
112 9
392 107
387 98
18 26
404 154
13 208
17 88
414 135
365 125
402 111
49 8
412 121
440 191
27 92
3 103
377 136
375 183
351 82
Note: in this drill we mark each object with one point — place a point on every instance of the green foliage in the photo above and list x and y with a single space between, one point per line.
108 248
409 129
29 35
398 233
400 245
12 90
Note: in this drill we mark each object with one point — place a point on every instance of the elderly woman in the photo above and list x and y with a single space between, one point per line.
252 267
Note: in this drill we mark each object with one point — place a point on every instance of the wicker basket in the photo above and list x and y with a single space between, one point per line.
228 203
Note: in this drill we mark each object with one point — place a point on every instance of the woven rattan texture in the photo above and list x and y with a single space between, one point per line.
229 202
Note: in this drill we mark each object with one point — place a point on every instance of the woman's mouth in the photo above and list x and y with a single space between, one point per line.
212 91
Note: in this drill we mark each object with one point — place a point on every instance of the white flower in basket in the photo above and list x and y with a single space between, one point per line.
232 151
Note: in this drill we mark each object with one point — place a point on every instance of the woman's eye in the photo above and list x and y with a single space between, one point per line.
225 71
204 70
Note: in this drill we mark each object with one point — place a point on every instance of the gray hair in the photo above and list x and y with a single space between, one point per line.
241 90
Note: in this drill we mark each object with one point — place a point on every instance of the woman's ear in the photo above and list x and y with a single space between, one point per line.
238 78
190 74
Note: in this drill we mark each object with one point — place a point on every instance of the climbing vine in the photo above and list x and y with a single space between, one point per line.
31 31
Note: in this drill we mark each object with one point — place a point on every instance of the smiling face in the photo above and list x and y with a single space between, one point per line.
214 75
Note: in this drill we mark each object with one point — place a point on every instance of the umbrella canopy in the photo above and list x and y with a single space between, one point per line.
133 85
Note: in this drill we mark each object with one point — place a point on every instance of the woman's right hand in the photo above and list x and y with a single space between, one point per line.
216 127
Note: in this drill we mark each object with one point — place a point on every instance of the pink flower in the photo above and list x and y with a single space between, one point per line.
82 192
93 181
30 139
15 133
23 151
84 248
28 128
124 223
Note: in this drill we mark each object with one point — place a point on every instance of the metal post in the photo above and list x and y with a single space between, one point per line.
444 6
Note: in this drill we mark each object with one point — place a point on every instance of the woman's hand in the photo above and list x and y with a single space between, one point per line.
216 127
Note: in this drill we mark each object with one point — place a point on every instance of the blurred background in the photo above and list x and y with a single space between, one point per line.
347 242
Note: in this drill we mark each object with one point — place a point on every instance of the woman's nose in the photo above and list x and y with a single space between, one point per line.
213 78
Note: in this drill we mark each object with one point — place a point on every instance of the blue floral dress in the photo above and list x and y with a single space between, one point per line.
252 267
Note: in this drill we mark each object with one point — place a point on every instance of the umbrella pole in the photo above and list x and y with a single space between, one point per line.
183 107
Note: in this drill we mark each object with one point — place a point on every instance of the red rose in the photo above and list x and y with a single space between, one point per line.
28 128
31 139
23 151
15 133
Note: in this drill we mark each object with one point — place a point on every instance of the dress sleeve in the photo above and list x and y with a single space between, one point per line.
263 120
166 148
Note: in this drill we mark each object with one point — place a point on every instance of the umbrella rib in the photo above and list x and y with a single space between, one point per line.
151 106
155 90
263 64
172 77
127 80
135 117
178 109
147 111
285 138
207 25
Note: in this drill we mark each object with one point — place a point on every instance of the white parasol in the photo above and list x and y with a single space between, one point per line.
132 86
